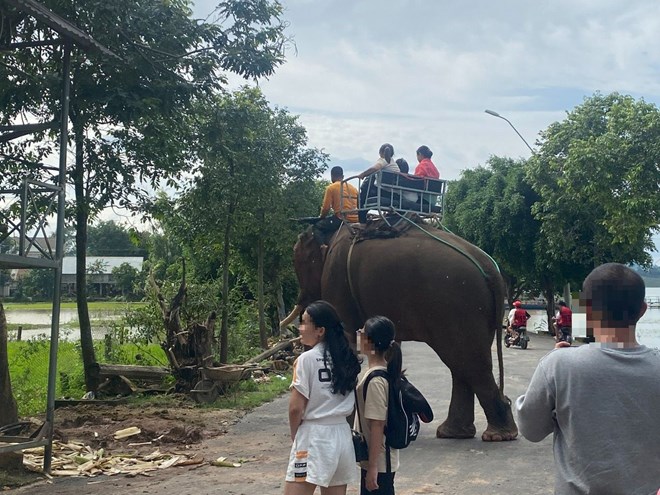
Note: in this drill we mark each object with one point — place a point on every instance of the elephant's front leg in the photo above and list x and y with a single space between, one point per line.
460 420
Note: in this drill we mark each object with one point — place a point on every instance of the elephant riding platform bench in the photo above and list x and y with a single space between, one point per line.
436 287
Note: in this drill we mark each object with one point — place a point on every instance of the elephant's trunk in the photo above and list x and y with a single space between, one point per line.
292 316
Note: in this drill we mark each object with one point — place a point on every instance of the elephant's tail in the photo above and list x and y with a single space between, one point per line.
495 283
500 359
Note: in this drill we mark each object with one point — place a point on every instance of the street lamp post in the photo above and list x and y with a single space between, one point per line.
567 287
495 114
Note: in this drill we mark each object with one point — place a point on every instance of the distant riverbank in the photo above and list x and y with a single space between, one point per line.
92 305
35 318
651 282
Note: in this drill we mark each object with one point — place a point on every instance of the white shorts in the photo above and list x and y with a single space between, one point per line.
323 455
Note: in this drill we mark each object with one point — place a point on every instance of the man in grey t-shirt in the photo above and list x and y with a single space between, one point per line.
601 401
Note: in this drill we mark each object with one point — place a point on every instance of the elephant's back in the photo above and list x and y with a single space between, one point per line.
420 248
421 277
434 244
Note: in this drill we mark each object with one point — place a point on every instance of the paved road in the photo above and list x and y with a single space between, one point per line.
428 466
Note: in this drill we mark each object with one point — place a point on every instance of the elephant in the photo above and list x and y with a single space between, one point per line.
436 288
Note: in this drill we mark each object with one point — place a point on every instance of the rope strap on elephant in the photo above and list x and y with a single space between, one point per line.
455 248
386 230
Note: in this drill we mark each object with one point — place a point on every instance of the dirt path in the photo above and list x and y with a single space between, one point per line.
259 441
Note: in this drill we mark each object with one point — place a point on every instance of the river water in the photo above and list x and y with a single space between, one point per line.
68 323
648 327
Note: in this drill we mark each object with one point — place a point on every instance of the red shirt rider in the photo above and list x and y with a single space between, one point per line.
425 167
520 318
565 318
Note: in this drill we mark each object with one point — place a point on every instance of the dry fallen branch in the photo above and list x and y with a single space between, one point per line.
77 459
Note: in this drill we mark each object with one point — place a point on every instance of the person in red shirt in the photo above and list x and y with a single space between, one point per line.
425 167
563 323
517 318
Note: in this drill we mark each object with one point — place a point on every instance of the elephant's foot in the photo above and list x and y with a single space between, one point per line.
493 434
445 430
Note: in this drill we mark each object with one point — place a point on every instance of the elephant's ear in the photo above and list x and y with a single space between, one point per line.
308 264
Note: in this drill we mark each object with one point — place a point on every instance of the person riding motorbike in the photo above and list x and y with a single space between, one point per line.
563 323
517 318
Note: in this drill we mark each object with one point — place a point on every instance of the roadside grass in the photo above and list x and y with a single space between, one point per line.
248 394
245 395
28 365
28 368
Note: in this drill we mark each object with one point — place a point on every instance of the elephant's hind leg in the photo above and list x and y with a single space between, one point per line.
501 425
460 420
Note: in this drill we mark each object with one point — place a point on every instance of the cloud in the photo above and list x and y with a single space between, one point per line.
421 72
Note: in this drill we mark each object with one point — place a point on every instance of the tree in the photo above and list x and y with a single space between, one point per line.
130 117
37 283
250 153
491 207
111 239
125 277
8 407
96 267
7 246
597 177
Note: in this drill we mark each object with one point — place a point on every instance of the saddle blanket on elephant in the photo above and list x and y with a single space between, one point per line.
391 227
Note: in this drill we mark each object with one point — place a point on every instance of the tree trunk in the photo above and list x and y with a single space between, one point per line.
549 294
224 324
82 217
8 408
188 349
568 298
263 337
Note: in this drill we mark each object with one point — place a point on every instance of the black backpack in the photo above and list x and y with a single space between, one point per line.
406 406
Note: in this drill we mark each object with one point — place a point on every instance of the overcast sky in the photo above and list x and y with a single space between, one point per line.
365 72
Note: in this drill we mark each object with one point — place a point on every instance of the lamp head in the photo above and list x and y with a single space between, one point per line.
493 113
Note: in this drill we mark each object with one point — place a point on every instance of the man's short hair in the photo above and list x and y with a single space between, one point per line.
615 294
336 172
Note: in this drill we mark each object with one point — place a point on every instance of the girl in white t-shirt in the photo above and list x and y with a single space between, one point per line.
376 341
322 397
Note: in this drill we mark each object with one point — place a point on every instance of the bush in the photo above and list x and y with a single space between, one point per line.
28 365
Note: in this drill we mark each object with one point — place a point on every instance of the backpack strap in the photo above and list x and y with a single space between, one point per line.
357 410
373 374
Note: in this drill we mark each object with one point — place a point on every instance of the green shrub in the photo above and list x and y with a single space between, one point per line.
28 367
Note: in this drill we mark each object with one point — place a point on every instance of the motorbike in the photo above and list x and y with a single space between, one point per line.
564 336
517 337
